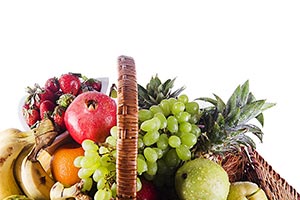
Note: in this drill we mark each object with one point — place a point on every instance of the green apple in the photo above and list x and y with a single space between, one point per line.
202 179
246 190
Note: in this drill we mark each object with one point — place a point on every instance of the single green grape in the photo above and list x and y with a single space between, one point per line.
165 106
101 183
188 139
84 173
89 145
105 160
177 107
141 166
183 116
150 125
111 140
151 138
163 142
185 127
114 132
152 168
183 152
150 154
140 143
99 173
155 109
172 124
192 107
103 194
183 98
77 161
163 120
138 184
88 161
87 184
196 130
174 141
159 152
103 150
171 101
113 189
144 114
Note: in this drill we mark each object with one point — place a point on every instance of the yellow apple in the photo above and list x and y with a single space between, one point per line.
246 190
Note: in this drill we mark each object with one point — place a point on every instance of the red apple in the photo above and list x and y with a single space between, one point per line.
91 115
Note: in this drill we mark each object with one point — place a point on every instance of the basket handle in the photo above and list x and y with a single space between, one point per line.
127 122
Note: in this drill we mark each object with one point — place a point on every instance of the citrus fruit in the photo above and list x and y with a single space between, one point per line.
62 167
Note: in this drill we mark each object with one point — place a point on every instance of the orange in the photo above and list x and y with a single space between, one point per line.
62 167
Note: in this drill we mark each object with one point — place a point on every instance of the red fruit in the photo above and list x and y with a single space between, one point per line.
148 191
93 84
32 116
43 94
69 84
52 84
91 115
58 118
46 109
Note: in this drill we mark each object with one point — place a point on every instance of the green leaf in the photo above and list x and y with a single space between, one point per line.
244 93
260 119
250 111
250 98
246 140
231 105
267 106
233 117
220 104
207 99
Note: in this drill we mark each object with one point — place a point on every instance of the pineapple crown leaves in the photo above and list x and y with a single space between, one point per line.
225 125
156 91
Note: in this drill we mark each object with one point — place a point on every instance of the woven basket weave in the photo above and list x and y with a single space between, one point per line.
246 165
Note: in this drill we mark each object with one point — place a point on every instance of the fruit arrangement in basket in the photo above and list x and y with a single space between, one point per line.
70 149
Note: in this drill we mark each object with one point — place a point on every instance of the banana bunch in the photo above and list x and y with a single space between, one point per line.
21 173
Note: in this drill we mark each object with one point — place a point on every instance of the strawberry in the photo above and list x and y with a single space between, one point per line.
52 84
58 118
46 108
70 83
32 115
148 191
93 84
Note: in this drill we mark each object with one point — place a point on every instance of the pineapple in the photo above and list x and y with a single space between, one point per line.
156 91
225 126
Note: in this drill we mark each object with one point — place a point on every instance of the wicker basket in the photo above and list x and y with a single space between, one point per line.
246 165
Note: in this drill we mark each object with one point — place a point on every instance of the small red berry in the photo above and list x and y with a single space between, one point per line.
46 109
32 116
43 94
93 84
58 118
69 83
52 84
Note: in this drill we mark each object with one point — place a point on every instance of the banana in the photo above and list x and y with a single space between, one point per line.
60 192
17 197
12 143
35 182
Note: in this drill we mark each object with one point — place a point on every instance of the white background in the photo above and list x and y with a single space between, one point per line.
211 47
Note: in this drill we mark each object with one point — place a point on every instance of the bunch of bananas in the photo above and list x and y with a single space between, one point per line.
24 175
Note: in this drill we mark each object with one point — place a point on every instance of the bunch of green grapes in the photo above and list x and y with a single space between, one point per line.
167 134
98 167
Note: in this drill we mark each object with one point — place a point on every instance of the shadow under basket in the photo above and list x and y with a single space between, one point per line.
245 165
